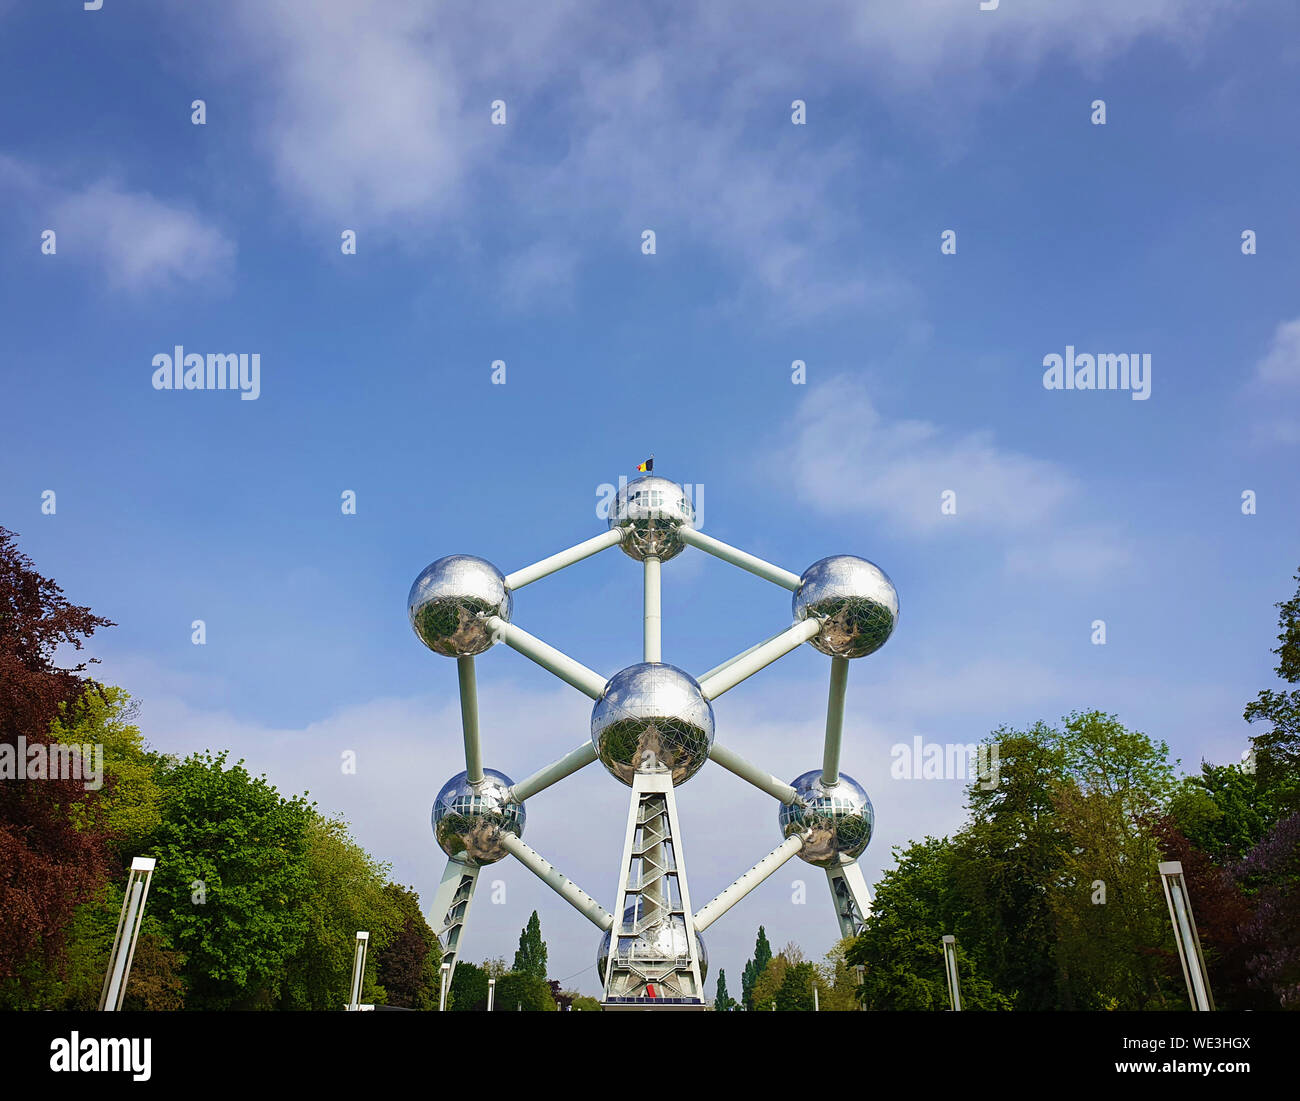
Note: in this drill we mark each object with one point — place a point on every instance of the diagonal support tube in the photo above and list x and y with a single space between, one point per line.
711 911
764 781
835 721
554 772
574 895
732 673
743 559
547 566
548 657
469 719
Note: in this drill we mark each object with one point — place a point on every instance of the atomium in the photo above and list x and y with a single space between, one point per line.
854 599
469 819
651 511
450 602
652 717
652 728
834 820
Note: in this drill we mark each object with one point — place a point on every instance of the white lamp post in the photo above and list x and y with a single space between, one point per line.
128 932
1189 942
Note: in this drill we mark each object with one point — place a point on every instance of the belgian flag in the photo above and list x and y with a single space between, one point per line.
648 465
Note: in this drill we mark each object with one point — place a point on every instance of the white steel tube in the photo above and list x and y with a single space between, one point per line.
835 721
554 772
652 617
585 549
743 559
492 993
736 657
764 781
777 647
711 911
548 657
469 719
531 859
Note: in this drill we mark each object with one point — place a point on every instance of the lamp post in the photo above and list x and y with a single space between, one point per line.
1189 942
950 968
128 932
492 993
442 997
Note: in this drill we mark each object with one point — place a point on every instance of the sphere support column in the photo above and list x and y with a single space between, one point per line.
450 912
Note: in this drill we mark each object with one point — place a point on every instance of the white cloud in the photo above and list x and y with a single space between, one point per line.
378 115
141 242
1281 363
137 241
845 456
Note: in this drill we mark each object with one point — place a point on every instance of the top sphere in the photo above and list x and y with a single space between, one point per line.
854 599
651 511
652 717
450 603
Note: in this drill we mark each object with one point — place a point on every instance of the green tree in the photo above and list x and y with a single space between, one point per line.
469 989
408 966
518 989
128 807
917 903
530 959
232 881
583 1003
347 892
1277 750
795 994
722 1001
754 968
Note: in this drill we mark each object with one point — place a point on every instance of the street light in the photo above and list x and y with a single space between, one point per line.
1189 942
442 997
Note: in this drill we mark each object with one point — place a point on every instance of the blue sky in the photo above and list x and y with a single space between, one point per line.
775 242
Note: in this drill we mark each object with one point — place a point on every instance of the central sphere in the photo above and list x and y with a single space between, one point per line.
651 511
854 599
468 820
835 821
652 717
450 603
665 940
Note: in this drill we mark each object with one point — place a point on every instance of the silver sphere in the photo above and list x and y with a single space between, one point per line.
663 940
652 717
854 599
651 511
451 601
468 821
834 821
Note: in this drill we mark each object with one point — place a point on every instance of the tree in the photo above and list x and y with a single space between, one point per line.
722 1001
754 968
583 1003
795 994
1277 751
347 892
469 989
232 880
518 989
530 959
47 865
408 966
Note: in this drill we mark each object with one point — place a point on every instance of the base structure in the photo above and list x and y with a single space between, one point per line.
651 958
851 896
451 909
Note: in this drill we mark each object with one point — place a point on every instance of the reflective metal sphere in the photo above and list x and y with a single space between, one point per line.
838 820
855 600
468 822
666 940
451 600
652 717
650 511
